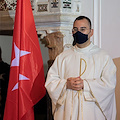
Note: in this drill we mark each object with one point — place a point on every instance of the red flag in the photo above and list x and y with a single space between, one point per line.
26 83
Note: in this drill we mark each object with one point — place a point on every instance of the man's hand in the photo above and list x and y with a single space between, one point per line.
75 83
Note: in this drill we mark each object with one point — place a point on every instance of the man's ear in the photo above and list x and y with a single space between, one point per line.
91 32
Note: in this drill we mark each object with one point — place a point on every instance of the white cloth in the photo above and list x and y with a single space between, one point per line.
99 78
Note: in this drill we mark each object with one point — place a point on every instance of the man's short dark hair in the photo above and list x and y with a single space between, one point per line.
84 17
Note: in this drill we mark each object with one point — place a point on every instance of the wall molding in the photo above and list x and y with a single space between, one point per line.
97 22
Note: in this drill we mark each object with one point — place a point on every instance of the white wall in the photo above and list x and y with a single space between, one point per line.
45 56
110 27
6 46
87 8
107 26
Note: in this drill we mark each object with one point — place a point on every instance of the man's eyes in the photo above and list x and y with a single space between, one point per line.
82 29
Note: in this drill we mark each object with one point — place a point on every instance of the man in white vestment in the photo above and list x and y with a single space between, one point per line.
81 82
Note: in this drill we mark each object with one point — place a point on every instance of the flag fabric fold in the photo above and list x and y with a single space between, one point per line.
26 83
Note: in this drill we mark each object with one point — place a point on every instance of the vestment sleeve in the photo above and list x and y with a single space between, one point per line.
102 89
55 84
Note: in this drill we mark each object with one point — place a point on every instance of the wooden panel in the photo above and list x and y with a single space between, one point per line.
117 63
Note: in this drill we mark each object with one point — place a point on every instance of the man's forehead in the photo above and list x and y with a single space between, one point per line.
81 23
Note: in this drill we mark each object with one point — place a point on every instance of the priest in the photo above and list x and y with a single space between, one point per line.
81 82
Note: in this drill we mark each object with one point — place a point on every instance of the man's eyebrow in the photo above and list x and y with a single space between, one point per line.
83 27
80 27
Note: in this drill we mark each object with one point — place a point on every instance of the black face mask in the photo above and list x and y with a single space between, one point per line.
79 38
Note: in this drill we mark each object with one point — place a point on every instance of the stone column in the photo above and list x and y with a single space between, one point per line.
54 43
